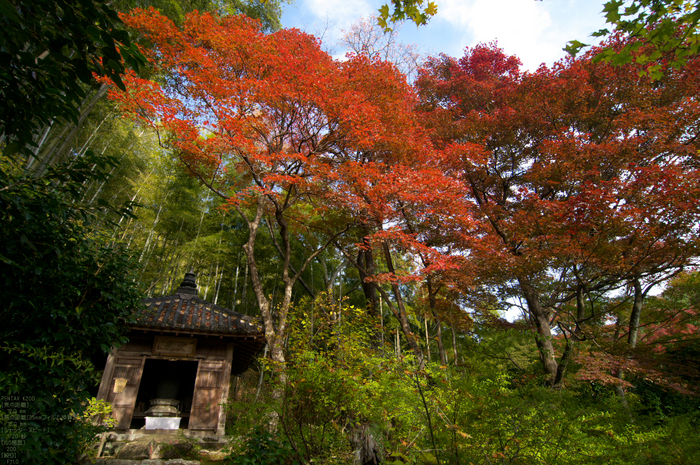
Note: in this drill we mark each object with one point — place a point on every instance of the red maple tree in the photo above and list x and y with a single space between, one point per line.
310 148
582 178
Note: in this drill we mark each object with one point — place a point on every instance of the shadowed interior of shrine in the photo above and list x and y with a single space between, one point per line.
165 380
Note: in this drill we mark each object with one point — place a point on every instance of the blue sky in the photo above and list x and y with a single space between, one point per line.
535 31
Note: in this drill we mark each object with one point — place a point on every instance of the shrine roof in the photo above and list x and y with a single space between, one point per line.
185 312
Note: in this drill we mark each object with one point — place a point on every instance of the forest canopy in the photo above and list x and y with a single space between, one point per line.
381 229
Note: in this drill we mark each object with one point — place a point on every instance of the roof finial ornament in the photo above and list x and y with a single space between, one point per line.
189 285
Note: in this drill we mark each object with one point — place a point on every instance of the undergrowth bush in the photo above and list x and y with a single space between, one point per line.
346 401
262 448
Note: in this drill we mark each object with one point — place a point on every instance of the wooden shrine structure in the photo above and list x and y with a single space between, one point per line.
177 366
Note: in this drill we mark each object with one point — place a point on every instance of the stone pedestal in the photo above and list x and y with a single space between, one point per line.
163 422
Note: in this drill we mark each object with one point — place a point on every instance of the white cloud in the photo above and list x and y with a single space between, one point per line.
534 31
518 25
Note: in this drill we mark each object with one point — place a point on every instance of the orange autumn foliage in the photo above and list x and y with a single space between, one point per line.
281 131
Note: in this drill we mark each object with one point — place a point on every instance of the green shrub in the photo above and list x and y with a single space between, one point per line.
262 448
67 294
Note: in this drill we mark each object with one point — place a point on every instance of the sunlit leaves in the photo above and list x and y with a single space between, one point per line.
667 29
418 11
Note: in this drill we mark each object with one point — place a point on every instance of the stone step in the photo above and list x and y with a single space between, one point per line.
146 462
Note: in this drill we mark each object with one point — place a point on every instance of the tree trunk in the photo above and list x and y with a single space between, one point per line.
432 301
399 310
540 316
367 450
274 343
633 335
275 324
427 338
400 313
441 347
454 344
367 269
573 339
636 314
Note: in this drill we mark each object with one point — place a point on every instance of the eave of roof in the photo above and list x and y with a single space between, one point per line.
187 313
